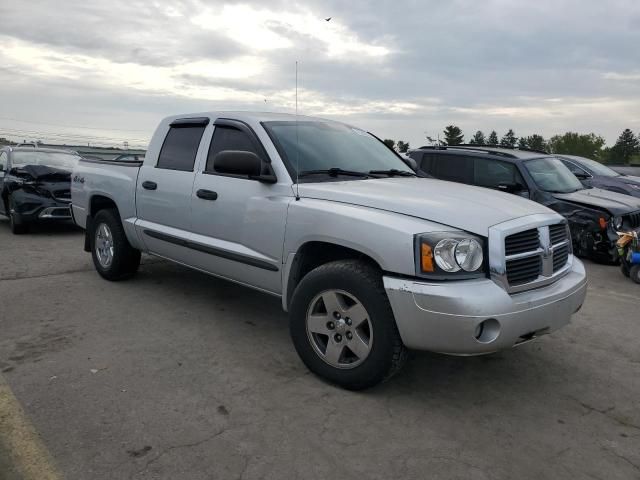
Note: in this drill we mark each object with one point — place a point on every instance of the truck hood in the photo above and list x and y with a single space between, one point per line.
613 202
464 207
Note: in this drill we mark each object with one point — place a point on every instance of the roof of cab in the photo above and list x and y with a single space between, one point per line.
249 117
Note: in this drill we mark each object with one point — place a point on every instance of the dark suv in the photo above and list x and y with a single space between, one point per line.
594 215
35 185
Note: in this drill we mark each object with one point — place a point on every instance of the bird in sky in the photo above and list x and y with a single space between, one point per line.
328 19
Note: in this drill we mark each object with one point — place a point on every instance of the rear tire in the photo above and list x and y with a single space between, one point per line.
378 352
17 228
114 258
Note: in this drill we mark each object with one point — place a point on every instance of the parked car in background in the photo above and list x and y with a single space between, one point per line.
367 258
35 185
627 169
594 214
595 174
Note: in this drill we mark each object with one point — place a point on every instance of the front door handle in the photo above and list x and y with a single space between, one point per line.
207 194
147 185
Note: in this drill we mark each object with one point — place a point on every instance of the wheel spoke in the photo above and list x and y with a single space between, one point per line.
317 323
358 346
357 314
333 351
331 302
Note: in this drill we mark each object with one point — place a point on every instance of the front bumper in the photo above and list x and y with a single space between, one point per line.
31 208
445 317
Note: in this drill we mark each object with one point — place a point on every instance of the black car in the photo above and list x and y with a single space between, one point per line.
594 214
35 185
595 174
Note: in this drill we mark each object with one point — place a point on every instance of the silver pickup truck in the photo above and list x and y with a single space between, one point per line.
368 258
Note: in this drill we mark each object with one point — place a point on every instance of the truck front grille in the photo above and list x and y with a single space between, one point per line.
631 220
531 257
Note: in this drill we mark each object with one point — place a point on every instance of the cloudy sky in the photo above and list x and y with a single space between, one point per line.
105 72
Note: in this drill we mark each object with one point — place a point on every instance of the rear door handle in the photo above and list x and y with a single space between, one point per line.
207 194
149 185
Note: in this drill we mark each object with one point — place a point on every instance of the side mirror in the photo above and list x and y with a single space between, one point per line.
581 175
239 162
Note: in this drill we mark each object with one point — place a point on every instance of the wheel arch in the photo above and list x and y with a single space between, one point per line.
96 203
313 254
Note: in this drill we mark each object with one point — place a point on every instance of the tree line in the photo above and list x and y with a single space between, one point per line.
590 145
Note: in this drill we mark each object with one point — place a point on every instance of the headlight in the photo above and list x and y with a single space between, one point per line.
616 222
445 255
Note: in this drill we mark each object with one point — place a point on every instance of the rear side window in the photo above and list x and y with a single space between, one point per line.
3 161
229 138
180 148
455 168
492 173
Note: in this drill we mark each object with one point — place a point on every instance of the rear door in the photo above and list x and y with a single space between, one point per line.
239 223
164 189
454 168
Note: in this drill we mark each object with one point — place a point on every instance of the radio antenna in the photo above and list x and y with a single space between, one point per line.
297 141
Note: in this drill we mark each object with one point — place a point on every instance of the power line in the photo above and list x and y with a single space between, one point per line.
73 126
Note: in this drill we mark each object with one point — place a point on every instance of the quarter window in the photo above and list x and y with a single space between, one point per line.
228 138
180 148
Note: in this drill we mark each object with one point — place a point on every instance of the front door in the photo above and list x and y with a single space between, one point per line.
4 165
238 224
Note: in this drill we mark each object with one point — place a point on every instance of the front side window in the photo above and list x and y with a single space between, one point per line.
573 168
3 161
492 174
551 175
228 138
62 160
180 147
317 145
454 168
597 168
426 165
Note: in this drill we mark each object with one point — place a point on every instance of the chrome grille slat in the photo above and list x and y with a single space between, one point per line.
529 252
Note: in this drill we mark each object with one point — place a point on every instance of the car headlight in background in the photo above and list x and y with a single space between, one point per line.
445 255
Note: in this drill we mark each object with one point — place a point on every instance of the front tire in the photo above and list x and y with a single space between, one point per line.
113 256
17 227
343 327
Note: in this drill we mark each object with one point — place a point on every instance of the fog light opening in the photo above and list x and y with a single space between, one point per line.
487 331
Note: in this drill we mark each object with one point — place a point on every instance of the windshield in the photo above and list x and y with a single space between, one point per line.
597 168
318 145
65 161
551 175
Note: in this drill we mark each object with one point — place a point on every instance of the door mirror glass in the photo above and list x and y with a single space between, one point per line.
238 162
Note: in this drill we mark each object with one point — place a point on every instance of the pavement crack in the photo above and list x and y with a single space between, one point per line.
622 457
176 447
607 413
45 275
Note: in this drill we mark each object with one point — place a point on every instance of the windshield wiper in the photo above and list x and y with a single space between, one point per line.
333 172
393 172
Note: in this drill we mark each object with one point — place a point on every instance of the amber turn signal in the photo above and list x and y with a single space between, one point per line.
426 258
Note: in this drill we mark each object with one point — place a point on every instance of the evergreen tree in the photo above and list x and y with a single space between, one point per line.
402 146
478 139
389 143
536 142
522 143
626 146
493 139
509 140
453 135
